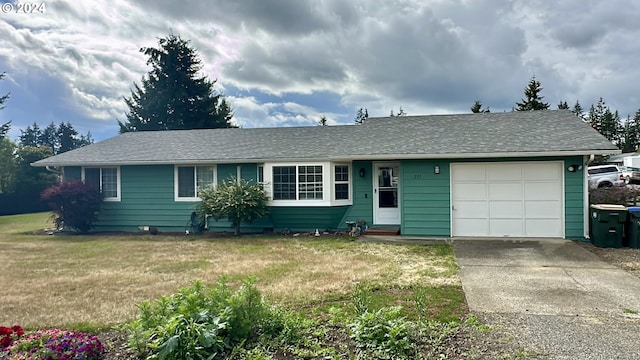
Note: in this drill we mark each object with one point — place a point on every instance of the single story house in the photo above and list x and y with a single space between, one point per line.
512 174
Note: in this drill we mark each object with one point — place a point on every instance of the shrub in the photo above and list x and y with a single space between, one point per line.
383 334
614 195
237 200
74 204
197 322
56 344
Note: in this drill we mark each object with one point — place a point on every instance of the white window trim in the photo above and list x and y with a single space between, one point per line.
114 199
335 201
328 190
195 178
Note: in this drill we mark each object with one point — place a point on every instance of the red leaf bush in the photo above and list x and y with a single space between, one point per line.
74 204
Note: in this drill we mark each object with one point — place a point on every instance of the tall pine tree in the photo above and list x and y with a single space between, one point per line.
361 116
476 108
605 122
173 95
577 109
533 99
631 133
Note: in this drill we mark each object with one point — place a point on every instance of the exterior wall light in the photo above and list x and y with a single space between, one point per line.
574 167
436 169
361 172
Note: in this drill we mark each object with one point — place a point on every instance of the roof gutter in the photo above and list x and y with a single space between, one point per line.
55 171
363 157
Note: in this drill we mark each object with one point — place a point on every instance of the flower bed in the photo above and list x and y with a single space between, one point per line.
53 344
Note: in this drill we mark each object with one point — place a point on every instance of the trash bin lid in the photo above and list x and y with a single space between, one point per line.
634 209
610 207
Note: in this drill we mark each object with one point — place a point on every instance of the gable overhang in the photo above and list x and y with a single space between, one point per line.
364 157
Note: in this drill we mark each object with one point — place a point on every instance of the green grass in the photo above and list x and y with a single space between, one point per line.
94 281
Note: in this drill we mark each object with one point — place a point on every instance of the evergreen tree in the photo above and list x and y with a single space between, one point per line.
631 133
4 97
477 108
67 138
533 99
29 179
8 167
31 135
577 109
399 114
59 139
605 122
49 138
563 105
361 116
172 95
596 114
4 129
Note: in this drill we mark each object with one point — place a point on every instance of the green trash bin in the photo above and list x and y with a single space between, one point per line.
607 223
633 231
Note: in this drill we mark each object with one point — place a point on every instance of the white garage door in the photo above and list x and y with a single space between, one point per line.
507 199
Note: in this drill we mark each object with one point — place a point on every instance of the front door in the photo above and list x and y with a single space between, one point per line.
386 179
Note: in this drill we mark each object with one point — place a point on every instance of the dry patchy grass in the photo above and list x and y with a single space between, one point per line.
98 279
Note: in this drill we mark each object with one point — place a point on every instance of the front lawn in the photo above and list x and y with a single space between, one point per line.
52 280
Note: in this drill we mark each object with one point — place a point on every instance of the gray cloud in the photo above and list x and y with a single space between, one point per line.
426 56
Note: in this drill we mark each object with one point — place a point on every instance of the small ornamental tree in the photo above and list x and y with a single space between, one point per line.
237 200
74 204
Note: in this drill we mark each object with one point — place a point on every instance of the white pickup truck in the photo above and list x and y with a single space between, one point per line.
605 176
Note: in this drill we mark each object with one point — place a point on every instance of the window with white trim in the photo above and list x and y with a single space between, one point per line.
297 182
104 179
260 174
284 183
308 184
191 179
341 182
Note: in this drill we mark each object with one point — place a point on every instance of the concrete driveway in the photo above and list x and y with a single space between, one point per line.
552 295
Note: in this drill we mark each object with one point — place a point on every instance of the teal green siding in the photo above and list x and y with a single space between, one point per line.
362 194
574 200
425 198
307 218
147 199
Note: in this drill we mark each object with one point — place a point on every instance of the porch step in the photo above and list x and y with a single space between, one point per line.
382 231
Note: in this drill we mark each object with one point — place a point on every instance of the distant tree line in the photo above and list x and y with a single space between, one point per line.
625 134
20 183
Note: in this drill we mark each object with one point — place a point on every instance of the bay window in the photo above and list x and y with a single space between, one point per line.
319 184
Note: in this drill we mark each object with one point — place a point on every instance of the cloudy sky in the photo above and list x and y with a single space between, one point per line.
289 62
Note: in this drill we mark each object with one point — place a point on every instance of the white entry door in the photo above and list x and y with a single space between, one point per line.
507 199
386 207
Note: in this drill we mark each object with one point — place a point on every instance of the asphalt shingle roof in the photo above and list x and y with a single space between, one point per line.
532 133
